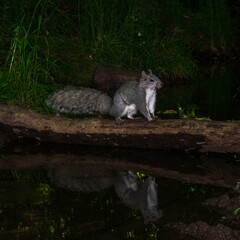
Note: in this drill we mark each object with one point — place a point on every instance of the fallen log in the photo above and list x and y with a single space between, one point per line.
176 134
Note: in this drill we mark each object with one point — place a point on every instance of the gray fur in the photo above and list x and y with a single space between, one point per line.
138 195
128 99
82 100
129 188
134 94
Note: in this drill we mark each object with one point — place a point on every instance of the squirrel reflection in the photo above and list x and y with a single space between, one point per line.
133 192
139 195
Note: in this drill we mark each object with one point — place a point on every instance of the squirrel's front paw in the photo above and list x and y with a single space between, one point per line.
150 119
153 116
57 114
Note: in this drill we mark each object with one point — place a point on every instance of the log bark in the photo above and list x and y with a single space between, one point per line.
179 134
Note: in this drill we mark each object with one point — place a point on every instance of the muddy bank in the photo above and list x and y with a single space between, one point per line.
225 205
202 231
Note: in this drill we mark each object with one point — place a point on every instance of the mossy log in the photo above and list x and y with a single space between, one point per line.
177 134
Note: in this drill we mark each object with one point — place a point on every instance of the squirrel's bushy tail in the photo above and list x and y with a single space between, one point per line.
79 101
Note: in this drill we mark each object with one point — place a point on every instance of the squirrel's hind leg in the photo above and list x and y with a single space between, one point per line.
118 108
131 110
119 120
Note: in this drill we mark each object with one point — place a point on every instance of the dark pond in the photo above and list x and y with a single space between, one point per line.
50 191
219 92
214 94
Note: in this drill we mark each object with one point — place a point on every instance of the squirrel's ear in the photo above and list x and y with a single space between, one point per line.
144 75
150 71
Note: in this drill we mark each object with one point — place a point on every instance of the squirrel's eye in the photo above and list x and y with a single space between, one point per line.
151 80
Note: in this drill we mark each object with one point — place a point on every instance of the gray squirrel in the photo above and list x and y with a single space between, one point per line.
129 98
138 195
132 191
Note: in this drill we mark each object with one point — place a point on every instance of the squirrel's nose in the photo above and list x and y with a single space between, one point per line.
160 85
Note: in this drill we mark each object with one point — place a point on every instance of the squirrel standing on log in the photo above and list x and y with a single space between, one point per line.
129 98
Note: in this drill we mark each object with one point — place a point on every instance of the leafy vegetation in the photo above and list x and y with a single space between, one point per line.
236 211
48 44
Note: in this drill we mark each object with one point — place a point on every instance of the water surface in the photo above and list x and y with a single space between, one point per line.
51 191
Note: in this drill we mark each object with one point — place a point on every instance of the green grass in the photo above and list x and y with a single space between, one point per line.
217 24
46 44
26 73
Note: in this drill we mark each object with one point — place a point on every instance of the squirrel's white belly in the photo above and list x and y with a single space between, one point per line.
150 99
149 94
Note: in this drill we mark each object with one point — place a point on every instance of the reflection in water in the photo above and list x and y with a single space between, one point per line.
133 192
138 195
32 207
